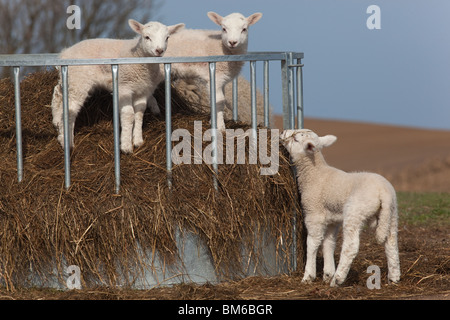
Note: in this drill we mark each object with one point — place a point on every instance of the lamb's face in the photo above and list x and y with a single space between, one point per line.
302 142
154 39
234 28
154 36
234 31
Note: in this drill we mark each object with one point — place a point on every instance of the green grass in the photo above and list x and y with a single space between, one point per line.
424 208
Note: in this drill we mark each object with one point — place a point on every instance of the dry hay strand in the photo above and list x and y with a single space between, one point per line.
45 227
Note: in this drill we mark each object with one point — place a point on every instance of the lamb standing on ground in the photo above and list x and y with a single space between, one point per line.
331 197
137 82
232 40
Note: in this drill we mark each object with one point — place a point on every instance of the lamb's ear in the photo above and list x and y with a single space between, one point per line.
309 147
215 17
175 28
254 18
286 134
327 141
135 26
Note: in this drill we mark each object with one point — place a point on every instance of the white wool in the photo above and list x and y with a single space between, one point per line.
331 198
232 40
137 82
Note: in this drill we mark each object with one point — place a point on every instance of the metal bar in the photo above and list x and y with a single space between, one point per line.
285 93
66 125
235 99
18 124
290 75
212 89
168 97
116 124
300 115
253 95
53 60
253 141
266 94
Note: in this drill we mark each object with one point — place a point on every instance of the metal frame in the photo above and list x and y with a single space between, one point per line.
289 93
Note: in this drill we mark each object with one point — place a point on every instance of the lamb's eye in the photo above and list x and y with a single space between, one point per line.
244 30
224 30
147 38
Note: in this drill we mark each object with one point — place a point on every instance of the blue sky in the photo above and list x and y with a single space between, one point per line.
399 74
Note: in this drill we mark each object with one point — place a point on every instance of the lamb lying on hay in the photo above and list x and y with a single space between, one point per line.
43 226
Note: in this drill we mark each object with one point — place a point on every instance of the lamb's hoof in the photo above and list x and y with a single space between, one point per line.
308 279
394 280
220 127
127 149
155 111
335 282
138 143
61 142
327 277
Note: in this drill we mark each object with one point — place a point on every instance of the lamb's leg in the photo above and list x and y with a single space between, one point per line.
329 245
57 112
313 241
221 102
350 247
154 108
391 249
126 121
139 108
76 101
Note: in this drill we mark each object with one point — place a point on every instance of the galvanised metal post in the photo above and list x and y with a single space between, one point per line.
291 90
168 98
266 94
235 99
285 92
253 96
291 121
18 124
116 124
300 115
253 139
212 89
67 132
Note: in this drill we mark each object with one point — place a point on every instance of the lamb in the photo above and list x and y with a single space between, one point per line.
194 92
330 198
136 82
232 40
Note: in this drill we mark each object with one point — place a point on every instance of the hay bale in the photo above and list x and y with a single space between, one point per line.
43 226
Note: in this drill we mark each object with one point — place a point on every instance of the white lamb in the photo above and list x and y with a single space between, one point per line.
137 82
231 40
330 198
